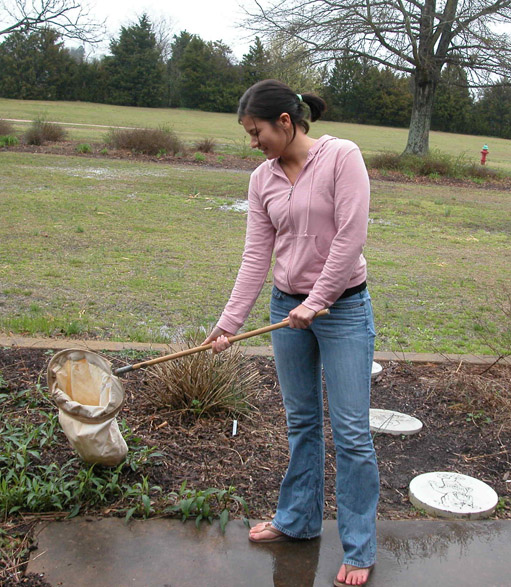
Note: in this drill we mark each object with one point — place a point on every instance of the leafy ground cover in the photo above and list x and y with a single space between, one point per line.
467 429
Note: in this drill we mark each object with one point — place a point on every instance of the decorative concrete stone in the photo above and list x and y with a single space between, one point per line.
376 369
452 495
390 422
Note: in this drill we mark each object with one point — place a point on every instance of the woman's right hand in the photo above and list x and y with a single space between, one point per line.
218 339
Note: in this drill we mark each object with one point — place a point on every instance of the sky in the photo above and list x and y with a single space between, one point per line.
212 20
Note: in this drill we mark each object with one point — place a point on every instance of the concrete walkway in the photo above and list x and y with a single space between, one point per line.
166 553
265 351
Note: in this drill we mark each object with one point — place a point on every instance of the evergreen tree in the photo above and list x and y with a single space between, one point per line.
255 64
359 92
135 70
385 98
175 76
492 112
210 80
452 111
36 66
343 89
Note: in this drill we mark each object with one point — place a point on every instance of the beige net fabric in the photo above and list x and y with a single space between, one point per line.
89 397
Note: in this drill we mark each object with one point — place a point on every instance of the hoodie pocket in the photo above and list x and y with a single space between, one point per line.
298 261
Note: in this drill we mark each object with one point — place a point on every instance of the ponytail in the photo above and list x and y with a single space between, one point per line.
268 99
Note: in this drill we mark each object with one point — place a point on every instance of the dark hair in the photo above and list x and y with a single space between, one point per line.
269 98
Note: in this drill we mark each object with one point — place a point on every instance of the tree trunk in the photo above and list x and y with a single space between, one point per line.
420 122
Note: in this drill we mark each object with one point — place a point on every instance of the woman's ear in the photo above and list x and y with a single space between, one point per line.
285 120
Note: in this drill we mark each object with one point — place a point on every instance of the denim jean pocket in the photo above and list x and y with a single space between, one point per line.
276 293
349 303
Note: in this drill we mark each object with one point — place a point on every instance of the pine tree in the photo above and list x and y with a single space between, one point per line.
136 71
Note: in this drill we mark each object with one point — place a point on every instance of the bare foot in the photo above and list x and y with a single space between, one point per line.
265 532
350 575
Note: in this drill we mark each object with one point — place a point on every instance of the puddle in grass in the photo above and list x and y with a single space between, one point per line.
237 206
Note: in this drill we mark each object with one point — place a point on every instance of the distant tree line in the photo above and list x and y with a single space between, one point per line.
204 75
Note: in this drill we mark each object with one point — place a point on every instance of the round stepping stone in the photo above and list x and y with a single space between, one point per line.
452 495
390 422
376 369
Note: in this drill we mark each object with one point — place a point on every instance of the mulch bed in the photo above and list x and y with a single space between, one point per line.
457 434
465 430
236 163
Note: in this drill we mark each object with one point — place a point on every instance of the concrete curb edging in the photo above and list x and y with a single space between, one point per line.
262 351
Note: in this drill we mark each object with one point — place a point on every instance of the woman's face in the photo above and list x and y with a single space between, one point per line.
271 139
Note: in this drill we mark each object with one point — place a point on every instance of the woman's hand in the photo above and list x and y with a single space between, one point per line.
218 339
301 317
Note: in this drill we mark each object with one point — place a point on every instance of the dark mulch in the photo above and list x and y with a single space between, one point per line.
237 163
466 417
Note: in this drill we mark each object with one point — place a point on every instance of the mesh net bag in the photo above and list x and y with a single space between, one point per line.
88 397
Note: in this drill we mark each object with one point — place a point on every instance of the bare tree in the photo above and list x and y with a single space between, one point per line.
417 37
72 19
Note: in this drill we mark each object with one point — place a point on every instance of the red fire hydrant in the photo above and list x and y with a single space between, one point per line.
484 154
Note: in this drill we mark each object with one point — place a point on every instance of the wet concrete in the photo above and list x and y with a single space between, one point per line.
166 553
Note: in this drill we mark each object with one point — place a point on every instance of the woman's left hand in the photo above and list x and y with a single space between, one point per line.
301 317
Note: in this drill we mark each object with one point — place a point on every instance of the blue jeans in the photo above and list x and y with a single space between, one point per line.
343 343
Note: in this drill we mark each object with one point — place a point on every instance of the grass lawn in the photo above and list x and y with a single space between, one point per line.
190 125
145 251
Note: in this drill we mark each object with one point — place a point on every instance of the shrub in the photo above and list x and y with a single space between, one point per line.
476 170
435 164
6 128
43 131
206 145
149 141
199 157
387 160
203 383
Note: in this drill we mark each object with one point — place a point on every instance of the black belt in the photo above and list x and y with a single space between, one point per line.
351 291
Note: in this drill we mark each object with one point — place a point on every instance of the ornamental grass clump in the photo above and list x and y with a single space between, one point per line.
203 384
43 131
148 141
206 145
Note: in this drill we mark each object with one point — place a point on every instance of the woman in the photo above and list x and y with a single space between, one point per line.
308 205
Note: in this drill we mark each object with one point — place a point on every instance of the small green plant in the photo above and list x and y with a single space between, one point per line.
84 148
8 141
104 151
201 504
161 153
478 417
200 157
80 229
220 158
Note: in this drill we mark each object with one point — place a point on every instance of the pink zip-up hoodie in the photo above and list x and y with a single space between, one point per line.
316 228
